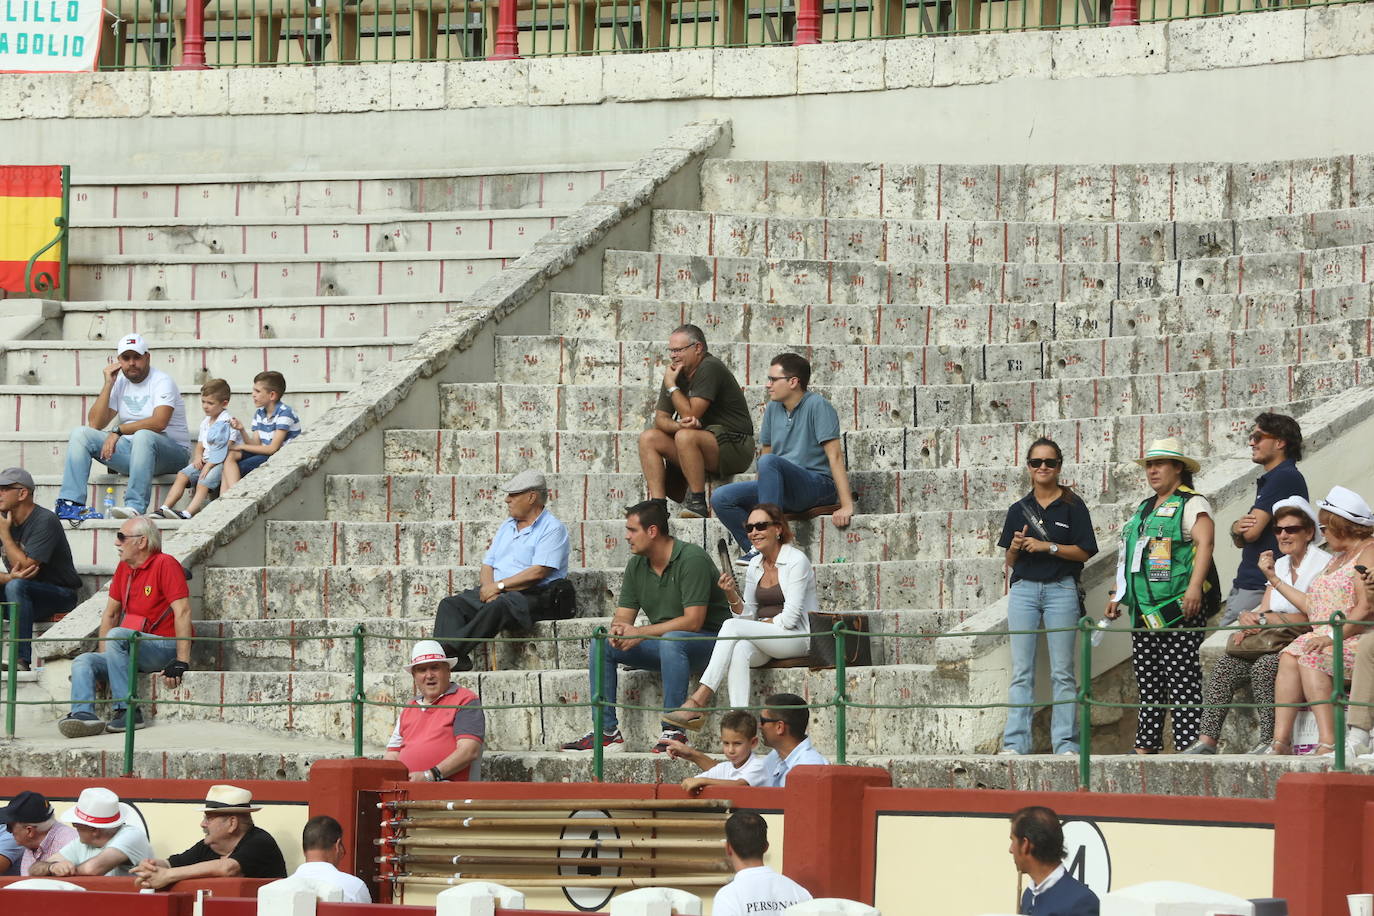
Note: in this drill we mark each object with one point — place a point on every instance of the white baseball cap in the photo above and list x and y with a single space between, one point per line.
132 342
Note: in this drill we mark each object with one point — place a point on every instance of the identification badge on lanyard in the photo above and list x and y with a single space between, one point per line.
1159 563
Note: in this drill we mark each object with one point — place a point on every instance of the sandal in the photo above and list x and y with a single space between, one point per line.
685 718
1273 750
1324 750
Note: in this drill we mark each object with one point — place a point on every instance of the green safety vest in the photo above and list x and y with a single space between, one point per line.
1154 592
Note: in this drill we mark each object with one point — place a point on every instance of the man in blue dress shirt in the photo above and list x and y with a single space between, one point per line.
782 725
524 575
1037 848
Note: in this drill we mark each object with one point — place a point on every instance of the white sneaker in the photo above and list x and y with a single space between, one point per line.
124 512
1008 752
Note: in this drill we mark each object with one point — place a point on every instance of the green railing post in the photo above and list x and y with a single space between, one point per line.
359 696
131 705
1338 694
598 661
10 612
1085 694
841 721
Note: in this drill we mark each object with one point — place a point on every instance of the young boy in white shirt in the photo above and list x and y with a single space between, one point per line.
217 434
739 735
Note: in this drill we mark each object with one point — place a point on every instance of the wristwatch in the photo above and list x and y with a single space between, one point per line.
1054 548
501 585
1263 619
435 774
672 389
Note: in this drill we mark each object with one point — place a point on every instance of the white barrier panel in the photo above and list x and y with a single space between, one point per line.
656 901
49 36
44 884
1173 898
480 898
286 897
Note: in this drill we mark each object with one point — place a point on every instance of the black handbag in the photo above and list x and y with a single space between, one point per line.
858 647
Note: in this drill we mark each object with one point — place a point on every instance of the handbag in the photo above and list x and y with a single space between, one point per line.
1266 642
858 648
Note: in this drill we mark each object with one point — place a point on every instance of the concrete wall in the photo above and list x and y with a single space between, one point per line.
1220 89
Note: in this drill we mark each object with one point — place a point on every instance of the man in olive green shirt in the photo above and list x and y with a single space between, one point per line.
702 423
676 585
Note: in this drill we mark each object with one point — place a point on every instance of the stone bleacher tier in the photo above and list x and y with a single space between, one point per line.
951 314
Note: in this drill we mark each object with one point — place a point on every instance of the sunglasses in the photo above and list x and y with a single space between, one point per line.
1291 529
1258 437
759 526
1050 463
767 721
121 537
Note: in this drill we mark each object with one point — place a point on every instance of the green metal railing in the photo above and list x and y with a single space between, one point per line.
152 34
838 701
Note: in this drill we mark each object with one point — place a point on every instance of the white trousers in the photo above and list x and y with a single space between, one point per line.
734 657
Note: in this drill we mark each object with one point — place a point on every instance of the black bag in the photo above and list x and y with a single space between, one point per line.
858 649
558 601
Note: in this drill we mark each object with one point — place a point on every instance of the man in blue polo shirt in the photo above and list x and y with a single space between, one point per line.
524 575
801 464
1275 445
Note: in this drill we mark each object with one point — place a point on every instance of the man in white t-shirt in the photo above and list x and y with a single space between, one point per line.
323 846
109 841
149 437
757 889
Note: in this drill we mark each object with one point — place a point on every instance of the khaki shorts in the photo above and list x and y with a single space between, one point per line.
736 451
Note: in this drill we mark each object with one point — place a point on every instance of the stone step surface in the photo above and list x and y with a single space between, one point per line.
60 409
1039 193
433 232
259 196
303 361
858 282
628 318
181 277
965 241
325 317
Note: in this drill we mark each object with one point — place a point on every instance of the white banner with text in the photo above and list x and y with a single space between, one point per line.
49 36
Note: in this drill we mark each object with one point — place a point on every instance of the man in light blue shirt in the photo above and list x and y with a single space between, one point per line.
782 725
524 575
801 463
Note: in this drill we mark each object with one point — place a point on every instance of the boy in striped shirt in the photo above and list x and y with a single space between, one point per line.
274 425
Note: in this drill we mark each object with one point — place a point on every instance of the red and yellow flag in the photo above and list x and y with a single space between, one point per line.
30 199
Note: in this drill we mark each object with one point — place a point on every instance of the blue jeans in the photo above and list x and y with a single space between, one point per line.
676 656
779 482
140 457
36 601
112 666
1033 606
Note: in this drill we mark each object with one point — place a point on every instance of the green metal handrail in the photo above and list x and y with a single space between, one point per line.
45 282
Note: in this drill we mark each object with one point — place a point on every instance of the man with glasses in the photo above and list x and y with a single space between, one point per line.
148 595
524 575
40 579
702 424
782 726
801 464
1275 445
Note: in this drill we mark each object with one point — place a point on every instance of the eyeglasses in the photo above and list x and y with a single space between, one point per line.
1050 463
778 378
1291 529
1259 436
676 350
759 526
121 537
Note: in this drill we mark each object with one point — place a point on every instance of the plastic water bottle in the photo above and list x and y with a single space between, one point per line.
109 501
1100 629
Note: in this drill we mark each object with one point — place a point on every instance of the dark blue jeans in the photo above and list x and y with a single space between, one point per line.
677 655
779 482
36 601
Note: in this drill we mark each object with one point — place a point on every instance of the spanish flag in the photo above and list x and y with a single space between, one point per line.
30 199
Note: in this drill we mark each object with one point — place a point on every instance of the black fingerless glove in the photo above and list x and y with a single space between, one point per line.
175 669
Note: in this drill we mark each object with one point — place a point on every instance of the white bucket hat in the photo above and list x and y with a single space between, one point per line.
1172 449
95 807
1349 505
229 800
426 651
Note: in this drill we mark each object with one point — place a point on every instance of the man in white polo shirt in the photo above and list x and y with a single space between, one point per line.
149 436
323 847
757 889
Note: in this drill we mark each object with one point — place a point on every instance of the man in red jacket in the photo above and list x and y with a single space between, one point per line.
438 734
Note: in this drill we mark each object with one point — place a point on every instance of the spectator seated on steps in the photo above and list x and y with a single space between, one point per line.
40 578
274 425
801 464
524 576
439 734
217 435
233 847
702 424
110 841
149 436
148 595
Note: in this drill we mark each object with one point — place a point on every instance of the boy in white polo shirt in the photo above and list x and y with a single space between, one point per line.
757 889
738 738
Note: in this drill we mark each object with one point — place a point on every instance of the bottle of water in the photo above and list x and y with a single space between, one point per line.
109 501
1100 629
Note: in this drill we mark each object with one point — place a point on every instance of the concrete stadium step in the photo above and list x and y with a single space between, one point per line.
469 231
964 241
306 361
236 319
186 277
316 194
853 282
28 408
93 542
1039 193
641 318
529 710
49 485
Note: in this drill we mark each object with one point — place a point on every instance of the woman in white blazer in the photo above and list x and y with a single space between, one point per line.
779 593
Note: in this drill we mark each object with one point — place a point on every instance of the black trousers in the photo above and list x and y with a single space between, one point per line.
465 619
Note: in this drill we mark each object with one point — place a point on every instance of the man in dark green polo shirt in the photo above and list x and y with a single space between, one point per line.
676 585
